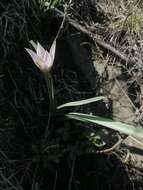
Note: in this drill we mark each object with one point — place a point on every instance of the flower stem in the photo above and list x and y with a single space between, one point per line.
52 105
50 86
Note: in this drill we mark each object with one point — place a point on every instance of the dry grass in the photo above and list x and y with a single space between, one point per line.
17 20
124 28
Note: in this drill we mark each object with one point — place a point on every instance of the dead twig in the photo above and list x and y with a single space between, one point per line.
111 149
96 39
117 144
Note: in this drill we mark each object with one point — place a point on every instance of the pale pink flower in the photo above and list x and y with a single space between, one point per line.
42 58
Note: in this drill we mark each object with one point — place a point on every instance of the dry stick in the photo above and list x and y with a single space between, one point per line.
62 24
117 144
65 14
111 149
100 42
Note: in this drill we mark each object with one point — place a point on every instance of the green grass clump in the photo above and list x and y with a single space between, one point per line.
135 19
48 3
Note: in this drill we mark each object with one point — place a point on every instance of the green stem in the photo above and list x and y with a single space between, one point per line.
52 105
50 86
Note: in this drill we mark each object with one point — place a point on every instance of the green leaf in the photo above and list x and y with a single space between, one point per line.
81 102
109 123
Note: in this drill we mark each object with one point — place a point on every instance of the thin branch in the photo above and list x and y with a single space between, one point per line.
96 39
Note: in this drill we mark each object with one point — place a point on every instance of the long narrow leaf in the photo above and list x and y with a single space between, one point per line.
109 123
81 102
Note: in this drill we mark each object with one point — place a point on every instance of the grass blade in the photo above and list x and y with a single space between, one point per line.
109 123
81 102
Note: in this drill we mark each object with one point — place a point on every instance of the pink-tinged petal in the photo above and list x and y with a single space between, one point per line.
40 51
46 55
34 45
48 62
52 50
34 57
32 54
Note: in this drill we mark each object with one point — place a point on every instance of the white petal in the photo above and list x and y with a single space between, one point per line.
46 56
40 51
52 50
48 61
32 54
34 45
34 57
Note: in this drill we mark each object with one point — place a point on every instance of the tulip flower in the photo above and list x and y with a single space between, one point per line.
42 58
44 61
